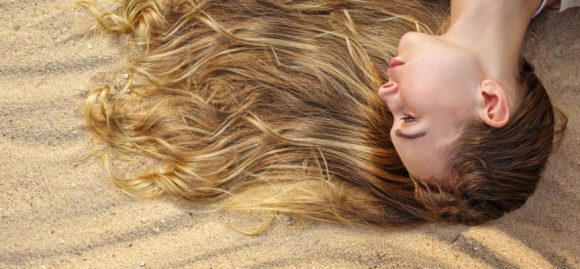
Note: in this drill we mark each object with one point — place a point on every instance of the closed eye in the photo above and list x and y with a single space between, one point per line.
407 118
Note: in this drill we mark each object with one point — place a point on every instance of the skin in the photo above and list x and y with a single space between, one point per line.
439 83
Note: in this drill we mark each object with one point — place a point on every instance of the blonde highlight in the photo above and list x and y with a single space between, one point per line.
271 106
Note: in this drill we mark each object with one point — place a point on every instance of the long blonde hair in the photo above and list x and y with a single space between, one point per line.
264 105
272 106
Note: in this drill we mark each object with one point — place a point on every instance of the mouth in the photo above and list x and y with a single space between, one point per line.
394 64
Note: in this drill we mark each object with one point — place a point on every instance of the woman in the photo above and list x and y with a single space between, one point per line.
473 117
270 106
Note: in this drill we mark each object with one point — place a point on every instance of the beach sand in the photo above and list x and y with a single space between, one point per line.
59 213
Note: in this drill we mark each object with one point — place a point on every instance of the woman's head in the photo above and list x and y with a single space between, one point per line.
432 92
458 131
437 85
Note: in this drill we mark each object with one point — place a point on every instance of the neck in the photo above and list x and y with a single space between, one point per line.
494 30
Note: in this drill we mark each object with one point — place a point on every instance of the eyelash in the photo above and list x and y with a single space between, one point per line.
407 118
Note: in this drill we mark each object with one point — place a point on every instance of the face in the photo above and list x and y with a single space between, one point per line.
432 93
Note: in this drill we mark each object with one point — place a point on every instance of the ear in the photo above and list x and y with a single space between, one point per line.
495 110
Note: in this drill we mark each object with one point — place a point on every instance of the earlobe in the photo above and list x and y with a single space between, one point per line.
495 110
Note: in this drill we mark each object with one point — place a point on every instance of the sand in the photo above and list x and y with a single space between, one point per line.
60 213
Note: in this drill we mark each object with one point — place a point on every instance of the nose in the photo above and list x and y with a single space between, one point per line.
388 89
389 93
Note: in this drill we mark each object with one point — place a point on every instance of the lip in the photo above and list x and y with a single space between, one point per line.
394 64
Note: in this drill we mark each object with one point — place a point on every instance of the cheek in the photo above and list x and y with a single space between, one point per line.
433 78
421 87
417 97
432 96
456 101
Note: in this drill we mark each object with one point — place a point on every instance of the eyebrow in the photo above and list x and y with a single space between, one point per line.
406 136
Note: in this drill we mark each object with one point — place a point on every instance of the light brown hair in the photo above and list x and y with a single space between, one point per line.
272 106
495 170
